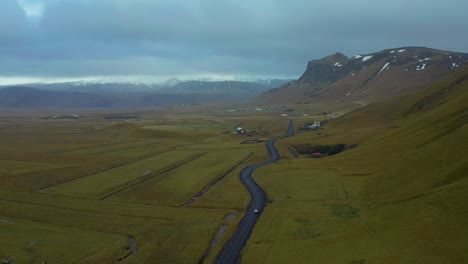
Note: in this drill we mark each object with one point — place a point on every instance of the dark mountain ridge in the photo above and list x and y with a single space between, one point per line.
27 97
367 77
131 95
128 95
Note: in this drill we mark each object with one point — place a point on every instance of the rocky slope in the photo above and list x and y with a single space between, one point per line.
367 77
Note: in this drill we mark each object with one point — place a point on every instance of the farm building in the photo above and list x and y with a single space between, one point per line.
238 130
315 125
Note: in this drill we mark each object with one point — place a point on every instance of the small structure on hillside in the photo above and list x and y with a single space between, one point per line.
315 125
251 141
238 131
67 116
316 155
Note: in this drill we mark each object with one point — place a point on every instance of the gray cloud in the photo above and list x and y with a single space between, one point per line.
14 27
81 38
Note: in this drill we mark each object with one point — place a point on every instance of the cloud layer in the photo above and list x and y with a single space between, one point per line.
171 38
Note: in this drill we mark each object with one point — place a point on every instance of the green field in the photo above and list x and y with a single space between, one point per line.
101 183
91 189
74 191
179 185
34 242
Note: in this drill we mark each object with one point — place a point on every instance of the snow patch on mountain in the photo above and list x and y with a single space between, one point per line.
421 67
366 58
385 67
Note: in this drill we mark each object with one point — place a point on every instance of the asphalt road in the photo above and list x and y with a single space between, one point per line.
231 251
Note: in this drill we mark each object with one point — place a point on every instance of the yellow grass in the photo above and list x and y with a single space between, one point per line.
32 242
100 180
181 184
13 167
99 184
398 197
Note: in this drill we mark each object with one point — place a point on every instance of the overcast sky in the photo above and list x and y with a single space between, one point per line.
153 40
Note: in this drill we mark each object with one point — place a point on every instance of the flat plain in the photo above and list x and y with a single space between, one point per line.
96 190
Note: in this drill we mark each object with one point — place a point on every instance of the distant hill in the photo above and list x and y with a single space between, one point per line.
139 95
27 97
239 89
367 77
173 86
134 95
164 100
97 87
199 92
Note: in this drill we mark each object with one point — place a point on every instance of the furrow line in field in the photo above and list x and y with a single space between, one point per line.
106 169
217 180
152 175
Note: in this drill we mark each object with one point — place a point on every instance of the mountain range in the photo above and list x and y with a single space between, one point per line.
363 78
367 78
27 97
92 94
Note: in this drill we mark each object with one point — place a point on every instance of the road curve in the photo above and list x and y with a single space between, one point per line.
231 251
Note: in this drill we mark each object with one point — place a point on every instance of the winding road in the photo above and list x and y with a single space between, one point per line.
231 251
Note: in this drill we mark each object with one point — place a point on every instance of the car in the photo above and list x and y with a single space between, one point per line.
256 211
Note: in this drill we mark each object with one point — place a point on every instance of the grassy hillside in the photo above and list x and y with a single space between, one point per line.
400 196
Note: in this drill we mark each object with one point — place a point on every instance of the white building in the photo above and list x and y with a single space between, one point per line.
315 125
238 130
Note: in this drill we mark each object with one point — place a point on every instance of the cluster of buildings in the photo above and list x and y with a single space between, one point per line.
257 109
72 116
242 131
286 115
327 113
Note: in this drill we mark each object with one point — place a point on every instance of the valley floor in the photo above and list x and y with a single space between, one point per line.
160 187
100 190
